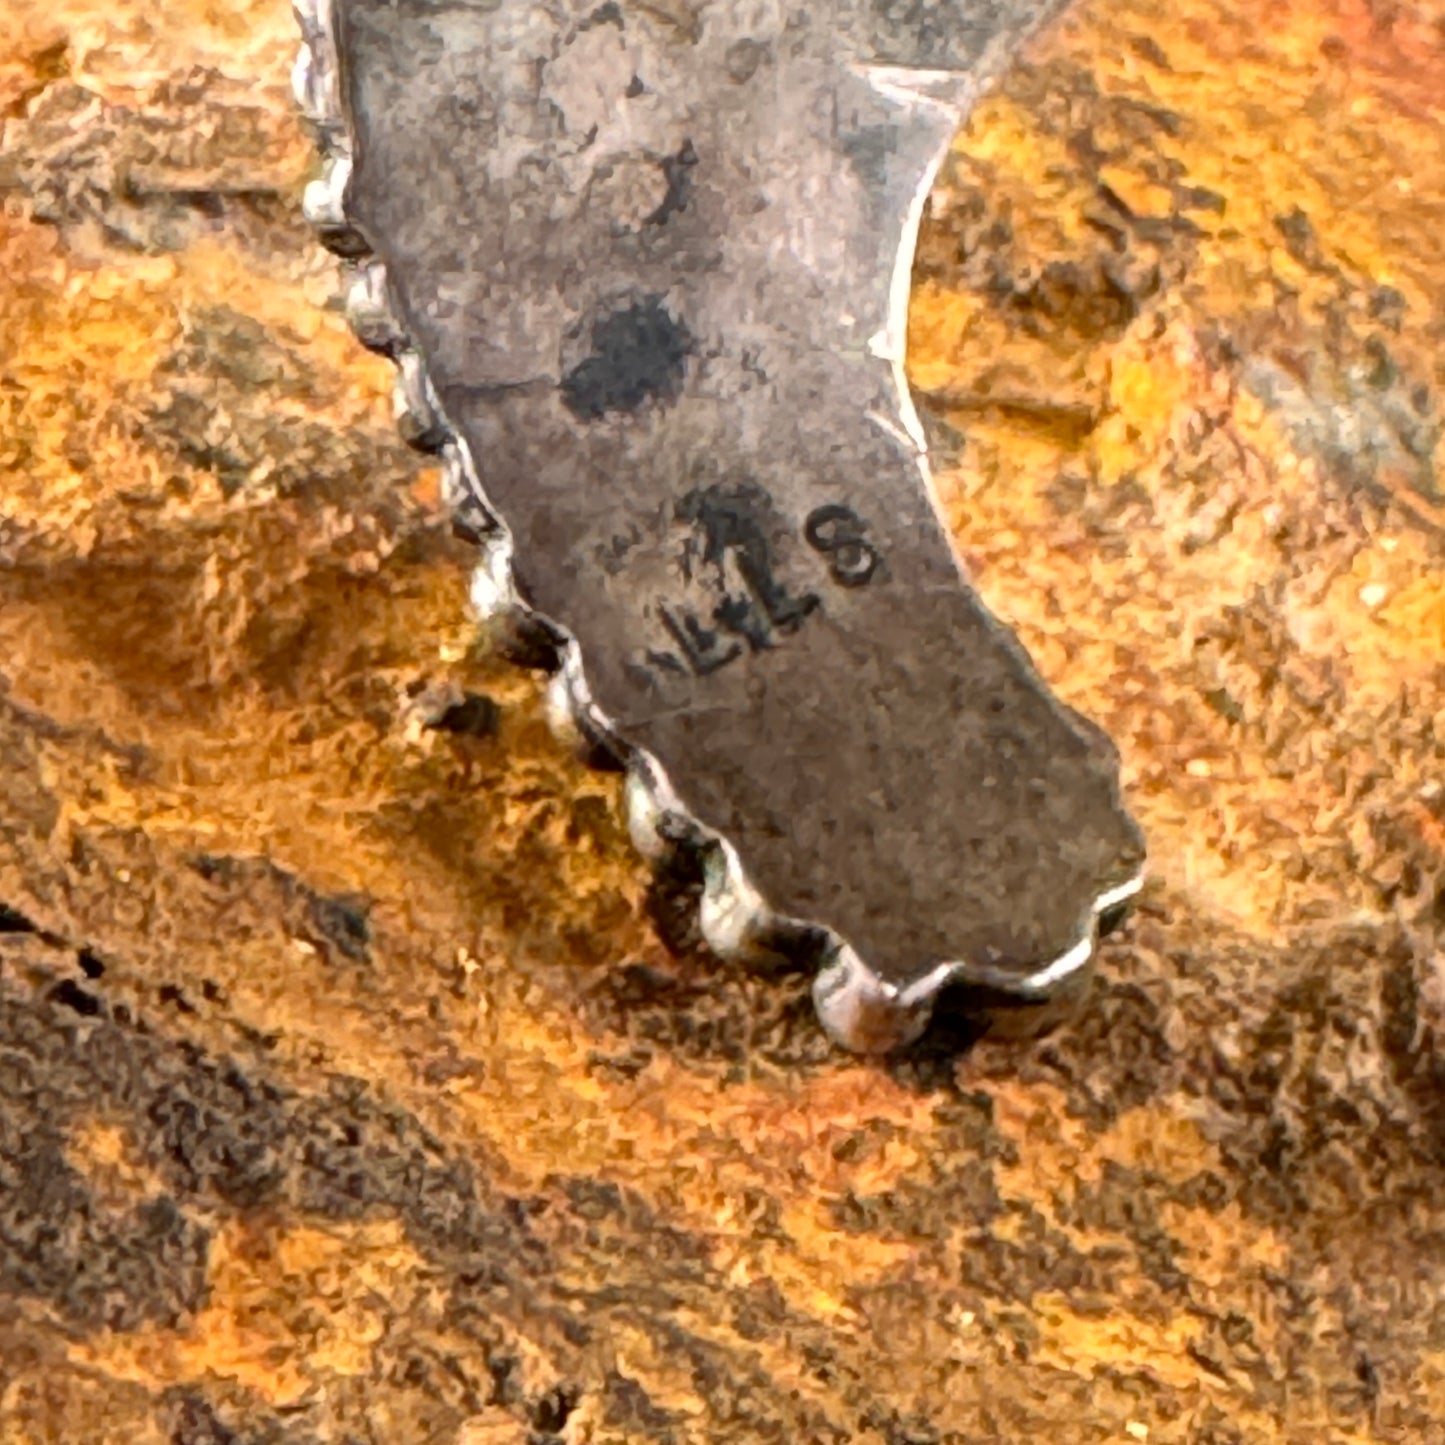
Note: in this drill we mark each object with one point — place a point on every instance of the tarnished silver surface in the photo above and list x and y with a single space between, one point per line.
644 269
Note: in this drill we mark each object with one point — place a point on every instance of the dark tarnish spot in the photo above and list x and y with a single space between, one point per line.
911 1212
906 30
677 171
869 151
638 352
743 59
99 1270
600 1202
605 14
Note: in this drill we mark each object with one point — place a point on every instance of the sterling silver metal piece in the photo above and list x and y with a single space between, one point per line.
644 270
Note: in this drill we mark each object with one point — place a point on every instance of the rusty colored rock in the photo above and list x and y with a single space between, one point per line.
346 1090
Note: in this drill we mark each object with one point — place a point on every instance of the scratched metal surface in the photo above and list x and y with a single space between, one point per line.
656 264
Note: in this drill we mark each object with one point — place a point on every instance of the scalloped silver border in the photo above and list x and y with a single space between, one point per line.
859 1010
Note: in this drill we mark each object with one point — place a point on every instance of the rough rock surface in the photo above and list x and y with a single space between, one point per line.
346 1092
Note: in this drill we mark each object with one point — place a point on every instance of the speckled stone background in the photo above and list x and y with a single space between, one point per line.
346 1092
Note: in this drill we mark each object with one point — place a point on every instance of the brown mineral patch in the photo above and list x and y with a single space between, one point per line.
1224 1251
1074 1342
494 1428
129 47
287 1311
55 1404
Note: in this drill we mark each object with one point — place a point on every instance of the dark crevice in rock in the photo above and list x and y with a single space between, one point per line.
70 995
13 921
474 716
338 924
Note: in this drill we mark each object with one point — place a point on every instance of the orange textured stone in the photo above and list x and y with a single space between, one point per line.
346 1090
